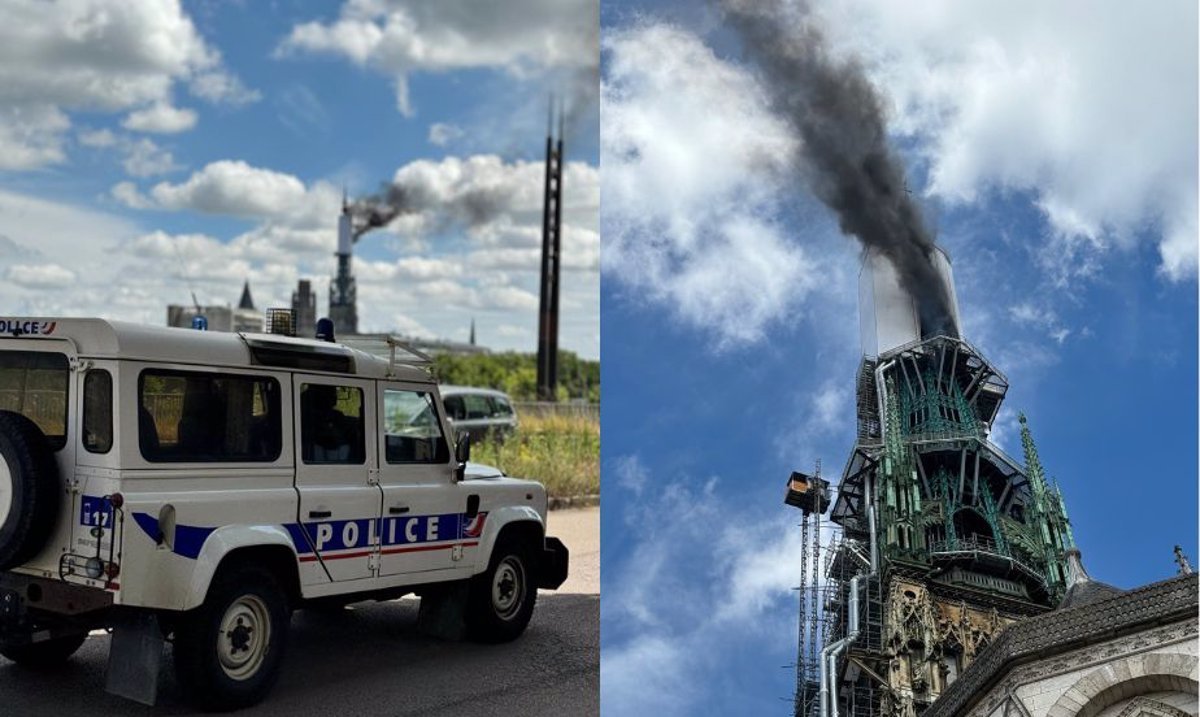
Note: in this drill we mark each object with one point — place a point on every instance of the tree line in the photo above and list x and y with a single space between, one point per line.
516 374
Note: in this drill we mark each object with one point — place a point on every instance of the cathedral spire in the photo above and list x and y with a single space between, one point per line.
1033 465
1076 573
1185 568
247 301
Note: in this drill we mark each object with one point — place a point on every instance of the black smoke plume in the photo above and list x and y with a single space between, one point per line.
844 150
380 209
472 208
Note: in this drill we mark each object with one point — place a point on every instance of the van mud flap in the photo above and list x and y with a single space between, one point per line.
134 657
552 571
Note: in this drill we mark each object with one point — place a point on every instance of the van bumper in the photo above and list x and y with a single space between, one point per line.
553 569
34 609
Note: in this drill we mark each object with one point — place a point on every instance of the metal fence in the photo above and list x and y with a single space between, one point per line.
548 409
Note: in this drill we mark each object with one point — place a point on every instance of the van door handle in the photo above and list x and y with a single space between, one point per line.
398 509
319 514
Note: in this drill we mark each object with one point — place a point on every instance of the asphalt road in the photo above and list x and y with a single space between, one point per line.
370 660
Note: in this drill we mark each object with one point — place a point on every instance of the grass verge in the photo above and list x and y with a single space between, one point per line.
562 452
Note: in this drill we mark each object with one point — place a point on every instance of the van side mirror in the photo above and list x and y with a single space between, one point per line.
462 454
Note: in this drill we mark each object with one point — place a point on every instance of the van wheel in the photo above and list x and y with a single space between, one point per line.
228 650
46 654
29 489
502 598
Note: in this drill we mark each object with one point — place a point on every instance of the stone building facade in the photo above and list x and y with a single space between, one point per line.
1111 654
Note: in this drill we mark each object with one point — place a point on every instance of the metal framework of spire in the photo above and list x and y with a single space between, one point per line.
967 538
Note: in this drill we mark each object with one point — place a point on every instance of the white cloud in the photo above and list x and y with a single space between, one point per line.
301 110
235 188
221 87
1040 317
520 37
127 193
61 231
415 267
830 406
97 138
40 276
31 136
684 219
443 134
141 157
631 474
160 118
144 158
510 297
1097 119
94 56
822 412
703 578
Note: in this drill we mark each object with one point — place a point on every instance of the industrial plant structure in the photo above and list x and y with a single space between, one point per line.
939 538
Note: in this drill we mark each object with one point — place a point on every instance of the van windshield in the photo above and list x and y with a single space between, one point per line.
34 384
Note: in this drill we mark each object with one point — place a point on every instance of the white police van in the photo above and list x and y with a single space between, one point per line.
195 487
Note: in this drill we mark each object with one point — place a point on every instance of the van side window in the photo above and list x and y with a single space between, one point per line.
332 425
97 411
186 416
411 428
34 384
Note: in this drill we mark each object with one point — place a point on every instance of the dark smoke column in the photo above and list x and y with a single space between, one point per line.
844 153
547 358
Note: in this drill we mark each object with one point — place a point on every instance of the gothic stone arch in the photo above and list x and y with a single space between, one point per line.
1145 707
1121 679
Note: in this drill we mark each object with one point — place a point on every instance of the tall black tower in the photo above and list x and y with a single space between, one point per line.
547 360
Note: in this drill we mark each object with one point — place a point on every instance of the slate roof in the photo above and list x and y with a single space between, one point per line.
1066 629
1083 590
1088 593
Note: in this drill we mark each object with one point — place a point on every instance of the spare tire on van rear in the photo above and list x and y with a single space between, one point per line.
29 489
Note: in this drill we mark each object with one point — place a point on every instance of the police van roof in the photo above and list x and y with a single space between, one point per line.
447 389
104 339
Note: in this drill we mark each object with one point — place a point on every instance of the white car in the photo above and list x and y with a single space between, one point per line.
199 486
481 412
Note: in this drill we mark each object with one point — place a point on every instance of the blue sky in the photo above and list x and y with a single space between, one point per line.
1061 176
149 149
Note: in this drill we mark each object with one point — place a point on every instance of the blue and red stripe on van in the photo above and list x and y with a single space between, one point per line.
334 540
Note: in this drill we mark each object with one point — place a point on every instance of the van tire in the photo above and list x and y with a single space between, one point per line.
207 650
493 613
44 655
29 476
